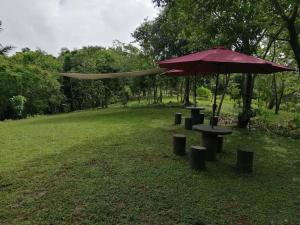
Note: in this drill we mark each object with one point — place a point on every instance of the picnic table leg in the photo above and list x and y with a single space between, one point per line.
220 143
178 117
201 118
195 115
211 144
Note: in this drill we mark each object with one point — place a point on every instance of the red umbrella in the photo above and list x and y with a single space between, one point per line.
220 60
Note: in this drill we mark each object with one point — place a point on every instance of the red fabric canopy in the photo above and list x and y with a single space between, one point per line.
221 60
177 73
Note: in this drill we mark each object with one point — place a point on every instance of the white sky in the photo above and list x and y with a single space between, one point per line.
53 24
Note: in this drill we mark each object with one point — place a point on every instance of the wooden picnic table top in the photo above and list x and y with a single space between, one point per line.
216 130
195 108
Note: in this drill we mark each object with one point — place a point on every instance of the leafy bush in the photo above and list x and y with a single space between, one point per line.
204 92
234 92
296 120
17 105
126 93
297 107
27 90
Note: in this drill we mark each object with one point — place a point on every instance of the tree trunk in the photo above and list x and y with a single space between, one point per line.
155 90
181 91
160 93
186 100
275 93
195 90
248 84
279 99
227 77
290 21
271 102
294 41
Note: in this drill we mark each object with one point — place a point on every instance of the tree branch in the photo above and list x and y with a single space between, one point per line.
279 10
294 13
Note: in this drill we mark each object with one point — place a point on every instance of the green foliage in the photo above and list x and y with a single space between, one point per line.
88 94
126 94
204 92
30 81
296 120
234 92
32 74
38 58
17 104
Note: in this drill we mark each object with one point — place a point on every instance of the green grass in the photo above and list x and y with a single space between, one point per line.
115 166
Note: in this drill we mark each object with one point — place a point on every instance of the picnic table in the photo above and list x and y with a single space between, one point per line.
195 113
210 138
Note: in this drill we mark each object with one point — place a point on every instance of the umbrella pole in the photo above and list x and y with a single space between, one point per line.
215 101
195 90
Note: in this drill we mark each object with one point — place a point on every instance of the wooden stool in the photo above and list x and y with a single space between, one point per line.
220 144
188 123
244 161
178 117
197 158
179 143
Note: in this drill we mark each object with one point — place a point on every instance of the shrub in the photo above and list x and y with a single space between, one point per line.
234 92
296 120
17 105
297 107
204 92
126 93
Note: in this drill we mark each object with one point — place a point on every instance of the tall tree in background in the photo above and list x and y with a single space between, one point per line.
288 11
4 49
159 41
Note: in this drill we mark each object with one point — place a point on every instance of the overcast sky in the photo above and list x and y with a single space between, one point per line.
53 24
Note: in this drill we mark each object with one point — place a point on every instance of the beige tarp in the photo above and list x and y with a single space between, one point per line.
97 76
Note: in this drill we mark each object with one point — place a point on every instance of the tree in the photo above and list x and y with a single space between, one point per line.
288 11
159 41
4 49
39 87
121 57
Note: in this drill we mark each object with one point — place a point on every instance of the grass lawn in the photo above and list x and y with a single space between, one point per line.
115 166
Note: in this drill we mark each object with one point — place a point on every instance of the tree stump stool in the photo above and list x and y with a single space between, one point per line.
179 143
178 117
188 123
220 144
201 118
214 121
244 161
197 158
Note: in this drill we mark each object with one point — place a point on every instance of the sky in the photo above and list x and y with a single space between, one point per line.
53 24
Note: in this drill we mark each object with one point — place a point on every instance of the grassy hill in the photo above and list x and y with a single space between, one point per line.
115 166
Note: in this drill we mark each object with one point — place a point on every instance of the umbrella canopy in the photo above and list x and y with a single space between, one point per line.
178 73
221 60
